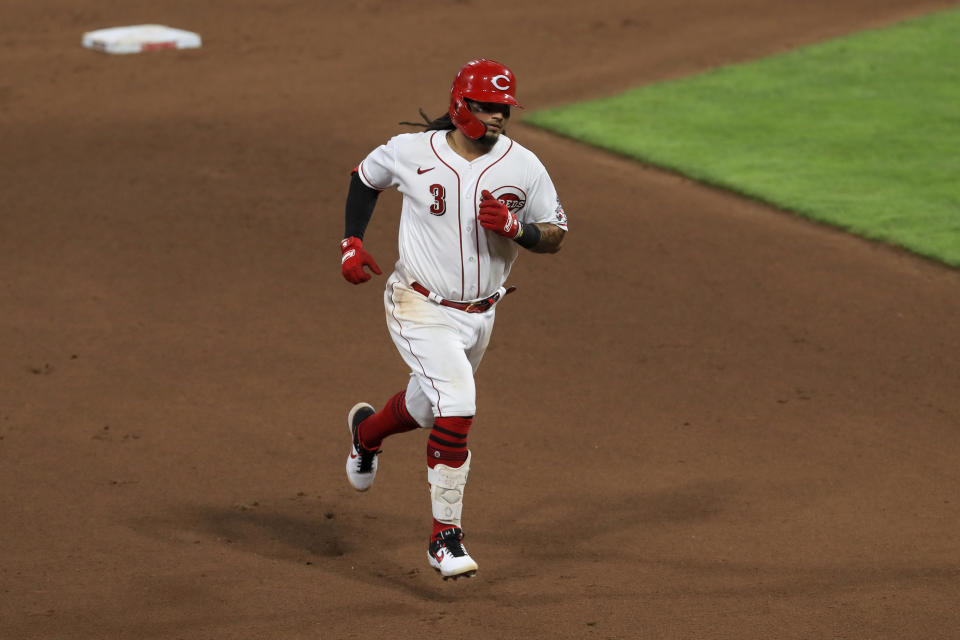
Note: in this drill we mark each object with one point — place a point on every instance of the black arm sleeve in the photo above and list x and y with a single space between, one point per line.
361 200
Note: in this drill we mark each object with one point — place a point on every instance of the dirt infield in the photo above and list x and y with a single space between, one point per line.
702 419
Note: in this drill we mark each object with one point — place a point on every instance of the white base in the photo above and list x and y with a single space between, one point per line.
138 38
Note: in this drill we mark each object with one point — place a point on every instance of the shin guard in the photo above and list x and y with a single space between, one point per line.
446 491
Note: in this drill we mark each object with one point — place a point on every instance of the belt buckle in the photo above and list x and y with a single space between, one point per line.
482 305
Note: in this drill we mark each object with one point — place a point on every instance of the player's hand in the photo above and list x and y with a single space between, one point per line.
495 216
354 259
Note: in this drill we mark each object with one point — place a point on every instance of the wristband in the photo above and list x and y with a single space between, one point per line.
529 235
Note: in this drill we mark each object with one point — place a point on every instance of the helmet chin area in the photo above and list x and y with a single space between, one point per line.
468 124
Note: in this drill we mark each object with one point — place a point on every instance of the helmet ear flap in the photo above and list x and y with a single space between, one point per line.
463 119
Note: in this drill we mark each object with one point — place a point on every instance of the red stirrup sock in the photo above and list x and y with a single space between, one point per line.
440 526
393 418
447 443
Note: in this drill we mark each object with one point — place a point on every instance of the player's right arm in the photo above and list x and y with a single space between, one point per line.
361 200
376 169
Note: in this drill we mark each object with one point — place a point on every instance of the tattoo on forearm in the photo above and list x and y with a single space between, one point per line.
550 238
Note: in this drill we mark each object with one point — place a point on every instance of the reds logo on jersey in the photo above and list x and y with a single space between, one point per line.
514 198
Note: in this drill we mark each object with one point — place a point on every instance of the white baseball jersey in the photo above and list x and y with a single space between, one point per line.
442 246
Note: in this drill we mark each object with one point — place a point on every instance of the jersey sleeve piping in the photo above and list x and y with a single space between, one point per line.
365 179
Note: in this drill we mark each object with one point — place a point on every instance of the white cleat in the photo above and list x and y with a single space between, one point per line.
449 557
361 463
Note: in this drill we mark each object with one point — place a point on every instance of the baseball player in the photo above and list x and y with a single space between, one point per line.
472 197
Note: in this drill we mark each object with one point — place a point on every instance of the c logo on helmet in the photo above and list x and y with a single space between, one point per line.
495 81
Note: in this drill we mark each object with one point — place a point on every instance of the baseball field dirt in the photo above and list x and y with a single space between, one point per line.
701 419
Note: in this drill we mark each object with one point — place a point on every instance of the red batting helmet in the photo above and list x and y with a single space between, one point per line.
482 81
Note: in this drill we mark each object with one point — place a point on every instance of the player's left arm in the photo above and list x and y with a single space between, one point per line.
549 240
547 221
540 237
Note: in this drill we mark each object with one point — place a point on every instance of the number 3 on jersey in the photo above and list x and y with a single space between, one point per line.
439 206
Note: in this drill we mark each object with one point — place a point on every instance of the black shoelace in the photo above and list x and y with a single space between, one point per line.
452 540
366 457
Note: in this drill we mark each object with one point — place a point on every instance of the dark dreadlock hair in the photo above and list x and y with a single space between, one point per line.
437 124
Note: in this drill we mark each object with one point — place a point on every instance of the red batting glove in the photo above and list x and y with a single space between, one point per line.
354 259
495 216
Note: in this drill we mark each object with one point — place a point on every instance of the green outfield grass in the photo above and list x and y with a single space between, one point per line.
862 132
